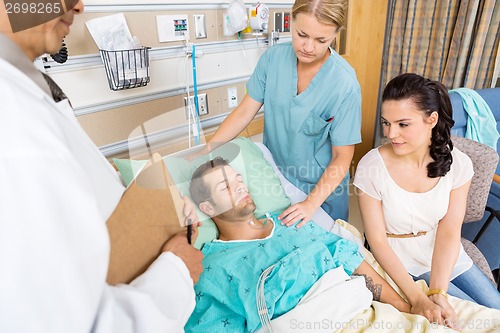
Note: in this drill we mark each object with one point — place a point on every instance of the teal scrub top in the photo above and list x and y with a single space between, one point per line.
226 291
300 130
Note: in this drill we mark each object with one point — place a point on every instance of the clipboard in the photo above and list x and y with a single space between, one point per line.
147 215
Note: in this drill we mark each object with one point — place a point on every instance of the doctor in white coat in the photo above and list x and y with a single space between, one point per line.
56 193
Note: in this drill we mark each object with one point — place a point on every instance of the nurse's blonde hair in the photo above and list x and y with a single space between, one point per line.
330 12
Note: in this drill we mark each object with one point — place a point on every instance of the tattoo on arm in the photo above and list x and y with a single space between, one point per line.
376 289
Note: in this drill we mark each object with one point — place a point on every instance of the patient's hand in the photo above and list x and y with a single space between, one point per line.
425 307
450 316
300 211
191 257
435 313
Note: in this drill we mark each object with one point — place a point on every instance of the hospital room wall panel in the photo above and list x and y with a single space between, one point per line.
116 125
142 25
88 86
109 116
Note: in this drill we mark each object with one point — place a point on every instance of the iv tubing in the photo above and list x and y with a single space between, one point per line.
195 87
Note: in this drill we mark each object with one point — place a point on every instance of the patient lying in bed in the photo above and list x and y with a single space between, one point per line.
258 269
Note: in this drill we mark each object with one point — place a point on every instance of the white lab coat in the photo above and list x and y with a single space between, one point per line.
56 193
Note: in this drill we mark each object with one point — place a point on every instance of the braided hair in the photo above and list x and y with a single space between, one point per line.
428 96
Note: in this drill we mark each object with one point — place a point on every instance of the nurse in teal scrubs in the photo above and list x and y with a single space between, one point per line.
312 110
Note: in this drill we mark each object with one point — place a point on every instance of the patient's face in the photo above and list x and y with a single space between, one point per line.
229 193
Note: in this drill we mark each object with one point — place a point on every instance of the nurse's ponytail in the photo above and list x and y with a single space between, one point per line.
428 96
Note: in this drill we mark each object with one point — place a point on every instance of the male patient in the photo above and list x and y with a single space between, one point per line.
247 246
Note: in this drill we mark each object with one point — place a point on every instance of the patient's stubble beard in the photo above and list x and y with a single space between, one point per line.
242 209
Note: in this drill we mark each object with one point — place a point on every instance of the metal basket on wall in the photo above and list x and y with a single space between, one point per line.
126 69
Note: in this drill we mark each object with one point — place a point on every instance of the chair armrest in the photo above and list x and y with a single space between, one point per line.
496 178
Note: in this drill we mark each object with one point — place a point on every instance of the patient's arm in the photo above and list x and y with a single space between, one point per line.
381 290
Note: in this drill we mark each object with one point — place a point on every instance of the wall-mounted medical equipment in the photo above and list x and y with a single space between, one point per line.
126 62
172 28
127 69
259 18
235 18
273 38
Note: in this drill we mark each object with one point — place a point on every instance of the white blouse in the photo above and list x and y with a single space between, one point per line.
409 212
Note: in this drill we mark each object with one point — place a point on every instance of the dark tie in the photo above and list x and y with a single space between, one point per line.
57 93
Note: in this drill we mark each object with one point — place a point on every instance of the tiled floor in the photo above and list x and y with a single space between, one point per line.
354 215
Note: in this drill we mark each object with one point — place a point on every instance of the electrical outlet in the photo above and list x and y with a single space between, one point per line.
286 22
202 105
200 26
278 22
232 97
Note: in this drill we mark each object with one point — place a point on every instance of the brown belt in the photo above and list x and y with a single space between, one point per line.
420 233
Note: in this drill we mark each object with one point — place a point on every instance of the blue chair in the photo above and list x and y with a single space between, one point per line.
484 160
485 233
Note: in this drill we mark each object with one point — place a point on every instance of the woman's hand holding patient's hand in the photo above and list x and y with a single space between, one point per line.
436 311
425 307
450 317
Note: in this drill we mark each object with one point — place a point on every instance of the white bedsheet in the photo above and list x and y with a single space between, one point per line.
328 306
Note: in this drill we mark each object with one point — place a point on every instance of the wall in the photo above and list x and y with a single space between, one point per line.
365 43
112 117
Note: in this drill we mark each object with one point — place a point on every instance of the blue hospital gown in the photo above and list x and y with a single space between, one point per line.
226 291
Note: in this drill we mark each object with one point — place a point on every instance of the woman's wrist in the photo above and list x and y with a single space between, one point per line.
416 296
437 291
417 299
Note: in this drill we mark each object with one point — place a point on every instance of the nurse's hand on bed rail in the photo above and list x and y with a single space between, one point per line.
191 257
300 211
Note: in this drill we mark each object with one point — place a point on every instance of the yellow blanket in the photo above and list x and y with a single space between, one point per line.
385 318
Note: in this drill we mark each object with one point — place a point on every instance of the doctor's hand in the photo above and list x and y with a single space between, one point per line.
191 257
300 211
189 210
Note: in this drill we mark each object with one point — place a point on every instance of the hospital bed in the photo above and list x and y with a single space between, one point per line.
334 303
